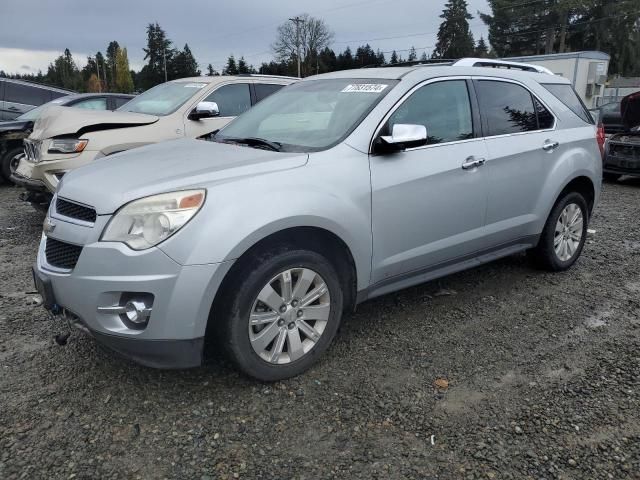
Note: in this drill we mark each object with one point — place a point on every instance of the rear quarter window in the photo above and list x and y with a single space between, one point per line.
567 95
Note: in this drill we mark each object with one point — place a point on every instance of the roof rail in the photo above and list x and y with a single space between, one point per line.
491 63
412 63
263 75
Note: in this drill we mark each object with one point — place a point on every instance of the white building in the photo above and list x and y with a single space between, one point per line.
587 71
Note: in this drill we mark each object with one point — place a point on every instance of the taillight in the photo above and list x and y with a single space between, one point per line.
600 138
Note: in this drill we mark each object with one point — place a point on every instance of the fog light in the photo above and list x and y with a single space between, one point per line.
134 309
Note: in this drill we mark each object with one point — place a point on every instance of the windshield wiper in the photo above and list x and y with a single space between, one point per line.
256 142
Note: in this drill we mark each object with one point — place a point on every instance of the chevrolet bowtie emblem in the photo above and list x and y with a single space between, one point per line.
48 226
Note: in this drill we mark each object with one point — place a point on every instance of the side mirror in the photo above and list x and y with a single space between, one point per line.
404 136
204 110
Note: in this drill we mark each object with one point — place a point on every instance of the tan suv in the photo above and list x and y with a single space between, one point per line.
65 139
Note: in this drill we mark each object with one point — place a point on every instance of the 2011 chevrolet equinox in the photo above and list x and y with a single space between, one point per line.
336 189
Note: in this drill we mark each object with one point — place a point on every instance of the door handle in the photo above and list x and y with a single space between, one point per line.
472 162
549 146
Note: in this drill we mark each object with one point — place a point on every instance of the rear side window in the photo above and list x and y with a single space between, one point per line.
263 90
442 107
506 108
232 99
567 95
25 94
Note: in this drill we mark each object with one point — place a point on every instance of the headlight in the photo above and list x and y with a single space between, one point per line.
67 145
148 221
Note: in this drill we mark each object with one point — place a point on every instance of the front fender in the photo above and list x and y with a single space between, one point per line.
334 196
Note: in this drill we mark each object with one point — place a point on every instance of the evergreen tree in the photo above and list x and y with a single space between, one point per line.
482 50
423 57
159 49
110 65
123 80
345 60
380 60
365 56
63 72
243 68
455 39
183 64
413 56
327 60
394 58
231 68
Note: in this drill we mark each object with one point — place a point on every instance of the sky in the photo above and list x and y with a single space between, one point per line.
34 32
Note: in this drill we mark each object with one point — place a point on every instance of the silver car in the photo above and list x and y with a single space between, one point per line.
335 190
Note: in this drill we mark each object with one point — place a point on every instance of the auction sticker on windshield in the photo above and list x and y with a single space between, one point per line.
364 88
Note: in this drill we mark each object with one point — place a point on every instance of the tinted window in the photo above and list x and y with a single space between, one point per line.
506 107
92 104
263 90
232 100
25 94
120 101
545 118
567 95
443 108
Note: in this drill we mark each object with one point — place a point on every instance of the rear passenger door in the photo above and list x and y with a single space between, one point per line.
523 145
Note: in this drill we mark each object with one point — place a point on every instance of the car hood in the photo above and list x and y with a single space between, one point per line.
630 109
15 126
57 120
110 182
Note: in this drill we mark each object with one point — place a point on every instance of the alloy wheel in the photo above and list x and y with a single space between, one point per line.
568 233
289 316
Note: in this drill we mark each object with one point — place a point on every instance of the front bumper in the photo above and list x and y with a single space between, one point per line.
47 173
622 158
182 296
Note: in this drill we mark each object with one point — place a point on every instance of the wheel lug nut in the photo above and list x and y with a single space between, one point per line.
291 325
283 308
294 303
281 322
300 313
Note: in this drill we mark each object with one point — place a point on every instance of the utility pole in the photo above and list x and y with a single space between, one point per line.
165 65
298 21
98 72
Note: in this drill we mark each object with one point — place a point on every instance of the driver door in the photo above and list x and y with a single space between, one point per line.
232 99
428 204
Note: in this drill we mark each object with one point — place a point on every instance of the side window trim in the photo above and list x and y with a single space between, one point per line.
401 100
485 127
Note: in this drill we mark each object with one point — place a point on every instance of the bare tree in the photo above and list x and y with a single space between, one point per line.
314 35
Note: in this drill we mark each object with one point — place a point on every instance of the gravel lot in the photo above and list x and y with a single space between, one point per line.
543 376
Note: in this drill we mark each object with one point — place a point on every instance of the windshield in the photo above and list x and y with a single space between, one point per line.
163 99
308 116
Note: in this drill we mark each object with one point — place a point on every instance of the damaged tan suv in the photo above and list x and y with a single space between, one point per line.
65 139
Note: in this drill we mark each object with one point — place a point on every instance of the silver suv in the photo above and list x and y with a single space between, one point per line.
335 190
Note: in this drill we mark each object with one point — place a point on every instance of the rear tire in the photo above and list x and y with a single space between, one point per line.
287 340
564 234
8 163
611 177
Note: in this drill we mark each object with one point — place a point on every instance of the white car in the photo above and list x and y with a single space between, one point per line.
64 139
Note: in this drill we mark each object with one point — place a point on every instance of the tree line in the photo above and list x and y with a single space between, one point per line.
516 28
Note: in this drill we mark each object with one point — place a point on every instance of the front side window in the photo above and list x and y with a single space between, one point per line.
506 107
232 99
263 90
92 104
163 99
311 115
442 107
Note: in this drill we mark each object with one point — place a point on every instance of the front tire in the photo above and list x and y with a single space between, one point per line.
10 162
564 234
280 313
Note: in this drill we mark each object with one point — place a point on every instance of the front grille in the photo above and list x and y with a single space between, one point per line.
32 150
75 210
625 150
62 255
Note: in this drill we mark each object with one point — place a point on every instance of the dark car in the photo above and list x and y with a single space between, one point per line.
20 96
13 132
622 152
611 118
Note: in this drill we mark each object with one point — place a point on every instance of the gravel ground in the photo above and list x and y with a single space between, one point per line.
542 371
